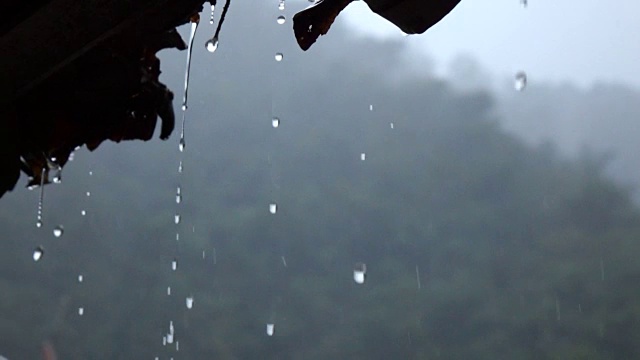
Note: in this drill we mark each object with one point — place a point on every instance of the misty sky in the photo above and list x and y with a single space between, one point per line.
578 40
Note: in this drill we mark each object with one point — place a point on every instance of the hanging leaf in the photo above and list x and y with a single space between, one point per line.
411 16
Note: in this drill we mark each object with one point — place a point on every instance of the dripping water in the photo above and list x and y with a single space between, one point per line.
194 26
41 199
212 43
213 8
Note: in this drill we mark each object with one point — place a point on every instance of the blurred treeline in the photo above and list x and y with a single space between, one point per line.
477 246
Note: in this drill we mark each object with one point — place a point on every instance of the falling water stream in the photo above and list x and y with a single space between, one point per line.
41 198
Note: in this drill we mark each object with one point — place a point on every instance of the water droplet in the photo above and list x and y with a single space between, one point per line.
176 219
189 302
270 329
371 107
80 311
281 19
520 81
275 122
359 273
88 193
178 195
171 329
90 173
281 5
37 253
80 278
83 212
273 208
212 45
174 265
213 9
284 261
391 125
279 56
363 156
39 223
168 290
58 231
169 338
180 167
181 144
177 236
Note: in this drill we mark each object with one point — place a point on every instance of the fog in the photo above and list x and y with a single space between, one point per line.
577 41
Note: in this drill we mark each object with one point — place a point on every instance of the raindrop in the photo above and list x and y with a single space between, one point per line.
213 8
58 231
80 278
171 329
275 122
83 213
273 208
281 19
418 278
370 107
520 81
284 261
281 5
212 44
178 195
391 125
174 265
279 56
363 156
37 253
359 273
170 338
88 193
189 302
176 218
270 329
90 173
80 311
180 167
168 290
181 144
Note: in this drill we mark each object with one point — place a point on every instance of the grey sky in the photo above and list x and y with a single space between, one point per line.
578 40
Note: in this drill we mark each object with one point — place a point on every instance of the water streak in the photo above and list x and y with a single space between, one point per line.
194 26
41 199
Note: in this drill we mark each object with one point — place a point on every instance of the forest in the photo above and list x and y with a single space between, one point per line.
477 244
